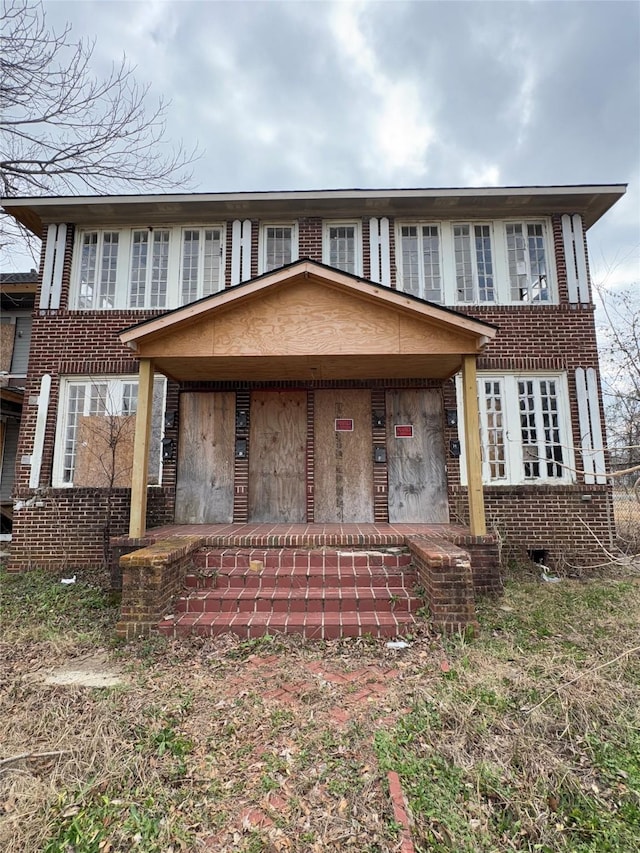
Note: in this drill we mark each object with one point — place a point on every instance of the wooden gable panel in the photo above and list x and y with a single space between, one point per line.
307 318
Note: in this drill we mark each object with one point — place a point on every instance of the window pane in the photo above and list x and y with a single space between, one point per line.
159 269
108 270
342 247
484 263
410 259
211 261
88 269
464 266
75 408
527 262
138 275
278 246
494 441
431 262
190 252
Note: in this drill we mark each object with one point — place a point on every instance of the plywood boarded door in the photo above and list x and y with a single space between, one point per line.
277 456
416 464
343 475
206 445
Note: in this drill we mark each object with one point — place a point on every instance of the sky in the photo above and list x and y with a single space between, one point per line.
315 95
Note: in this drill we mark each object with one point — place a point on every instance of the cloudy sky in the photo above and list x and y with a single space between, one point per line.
308 95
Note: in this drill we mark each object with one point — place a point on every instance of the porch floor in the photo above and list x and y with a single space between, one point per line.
275 535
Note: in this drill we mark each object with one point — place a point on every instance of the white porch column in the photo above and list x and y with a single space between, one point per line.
472 443
138 513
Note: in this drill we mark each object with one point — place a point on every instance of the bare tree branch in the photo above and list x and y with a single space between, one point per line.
64 130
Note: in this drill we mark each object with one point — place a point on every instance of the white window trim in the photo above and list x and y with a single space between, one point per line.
343 223
123 271
262 253
66 382
499 255
514 460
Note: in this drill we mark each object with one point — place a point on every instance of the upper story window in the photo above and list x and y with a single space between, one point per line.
526 255
421 264
474 263
497 262
147 267
202 271
278 246
98 269
342 246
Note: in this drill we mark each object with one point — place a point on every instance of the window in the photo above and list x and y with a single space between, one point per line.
342 246
524 429
202 270
279 246
527 262
105 397
421 265
98 268
474 265
494 263
142 268
149 268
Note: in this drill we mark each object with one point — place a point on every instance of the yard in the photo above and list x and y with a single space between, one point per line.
525 738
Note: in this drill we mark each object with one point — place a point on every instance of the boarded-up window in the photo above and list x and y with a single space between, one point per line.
104 457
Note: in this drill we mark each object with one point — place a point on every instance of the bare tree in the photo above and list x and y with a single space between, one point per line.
64 130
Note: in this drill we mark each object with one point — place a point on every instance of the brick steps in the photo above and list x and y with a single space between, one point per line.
320 594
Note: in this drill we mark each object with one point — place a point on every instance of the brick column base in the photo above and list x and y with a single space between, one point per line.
445 573
151 578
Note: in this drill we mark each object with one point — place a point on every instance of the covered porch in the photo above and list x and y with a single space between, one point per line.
326 446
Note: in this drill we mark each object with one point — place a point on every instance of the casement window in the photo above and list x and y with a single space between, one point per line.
493 263
526 256
342 246
202 270
278 246
524 429
98 269
474 263
149 268
421 268
142 268
92 412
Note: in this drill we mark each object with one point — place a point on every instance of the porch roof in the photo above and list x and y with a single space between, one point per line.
308 321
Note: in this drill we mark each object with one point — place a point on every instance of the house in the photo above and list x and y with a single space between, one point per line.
17 291
314 369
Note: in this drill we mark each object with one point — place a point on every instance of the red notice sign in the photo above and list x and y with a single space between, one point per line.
344 424
404 430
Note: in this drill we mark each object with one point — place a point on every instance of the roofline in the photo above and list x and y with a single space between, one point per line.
590 200
355 193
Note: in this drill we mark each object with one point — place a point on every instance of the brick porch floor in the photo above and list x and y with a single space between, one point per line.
306 535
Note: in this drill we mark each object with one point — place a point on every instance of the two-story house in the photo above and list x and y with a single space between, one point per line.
315 360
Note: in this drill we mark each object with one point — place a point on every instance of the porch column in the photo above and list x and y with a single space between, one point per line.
472 444
138 513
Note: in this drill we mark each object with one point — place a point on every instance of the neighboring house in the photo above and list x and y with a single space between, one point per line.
17 292
319 357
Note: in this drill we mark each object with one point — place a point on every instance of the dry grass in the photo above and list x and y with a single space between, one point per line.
225 745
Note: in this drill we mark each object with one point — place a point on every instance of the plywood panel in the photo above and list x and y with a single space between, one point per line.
277 447
416 466
104 455
206 447
343 475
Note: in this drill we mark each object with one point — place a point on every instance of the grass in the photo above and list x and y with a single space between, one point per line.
529 742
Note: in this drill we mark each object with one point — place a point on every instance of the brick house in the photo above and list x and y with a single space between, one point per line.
404 363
